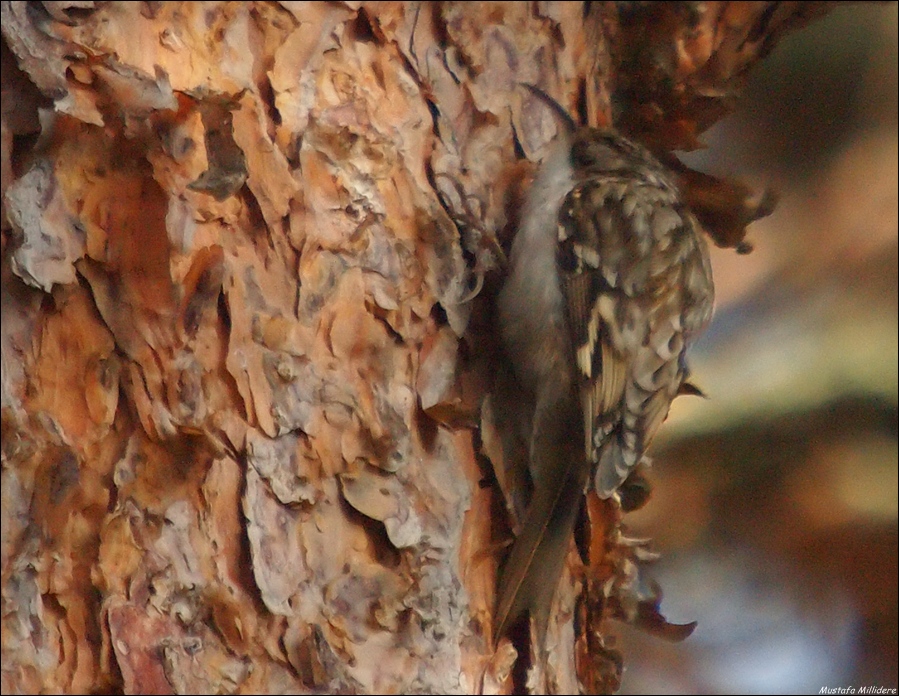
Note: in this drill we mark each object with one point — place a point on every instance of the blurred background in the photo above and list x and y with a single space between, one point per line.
775 500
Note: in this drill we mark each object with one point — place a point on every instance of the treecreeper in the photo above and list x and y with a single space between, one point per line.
609 281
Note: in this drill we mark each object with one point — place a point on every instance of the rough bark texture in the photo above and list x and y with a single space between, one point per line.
242 375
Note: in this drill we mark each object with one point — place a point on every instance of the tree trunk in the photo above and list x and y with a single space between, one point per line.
243 372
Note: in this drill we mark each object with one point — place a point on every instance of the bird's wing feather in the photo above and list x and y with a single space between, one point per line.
627 292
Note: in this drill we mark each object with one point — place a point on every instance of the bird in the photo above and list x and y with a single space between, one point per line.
608 283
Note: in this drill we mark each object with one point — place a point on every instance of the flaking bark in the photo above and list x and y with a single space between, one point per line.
242 380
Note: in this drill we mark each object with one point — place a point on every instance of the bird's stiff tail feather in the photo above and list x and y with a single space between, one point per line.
529 577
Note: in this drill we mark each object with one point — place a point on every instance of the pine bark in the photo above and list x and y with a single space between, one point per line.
243 369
